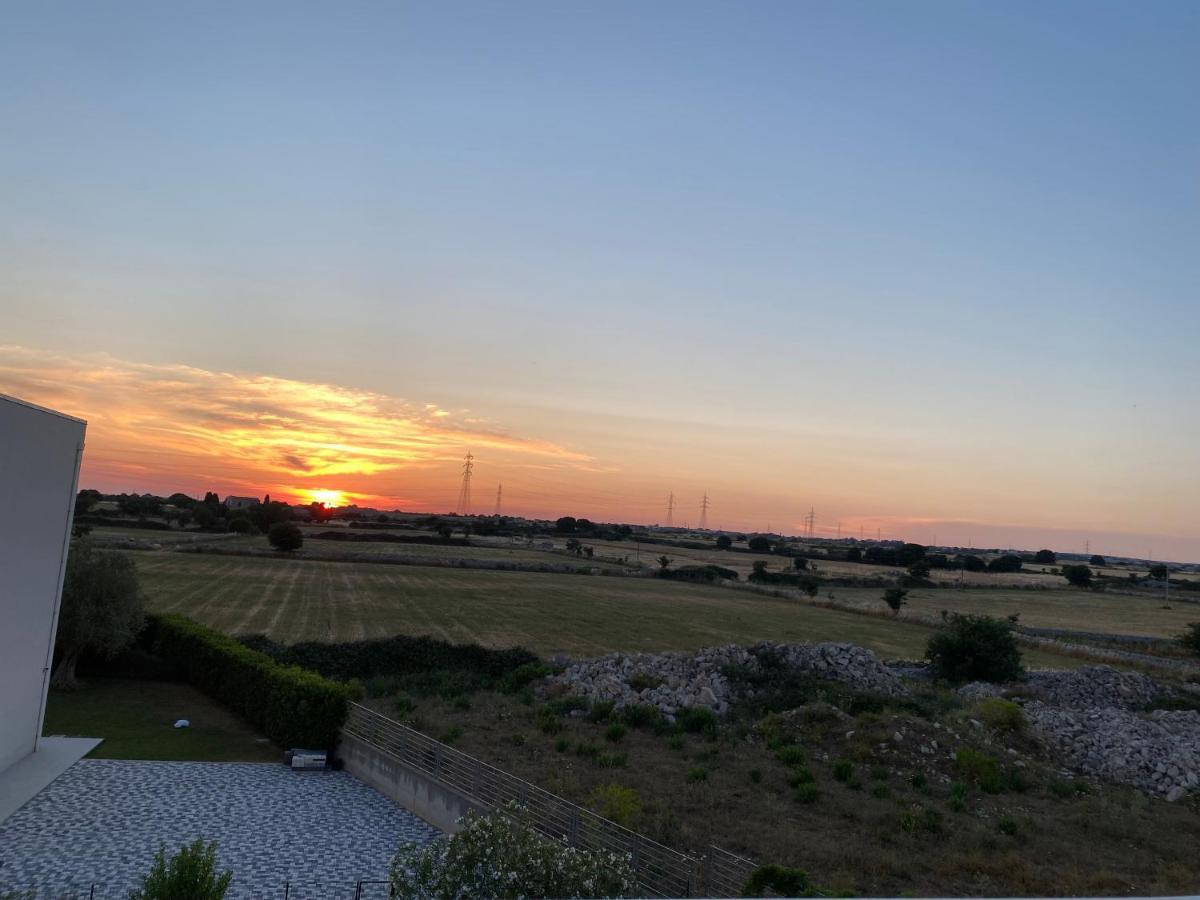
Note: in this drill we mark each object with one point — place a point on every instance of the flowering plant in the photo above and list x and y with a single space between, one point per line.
500 855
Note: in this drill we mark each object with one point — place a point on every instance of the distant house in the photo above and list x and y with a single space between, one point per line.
235 503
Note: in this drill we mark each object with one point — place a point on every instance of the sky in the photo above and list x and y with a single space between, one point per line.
927 268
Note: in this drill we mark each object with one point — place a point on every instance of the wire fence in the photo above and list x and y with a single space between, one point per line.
661 871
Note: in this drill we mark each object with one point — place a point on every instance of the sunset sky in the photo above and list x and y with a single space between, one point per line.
931 268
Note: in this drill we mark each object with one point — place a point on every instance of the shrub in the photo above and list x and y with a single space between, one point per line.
591 750
800 775
881 792
285 536
520 863
641 715
697 774
790 755
293 707
974 765
562 745
617 802
1001 715
1190 639
191 874
1007 825
1009 562
452 734
779 881
974 648
698 719
918 780
643 682
1077 576
958 796
843 769
615 732
807 792
600 711
676 742
523 675
612 760
756 775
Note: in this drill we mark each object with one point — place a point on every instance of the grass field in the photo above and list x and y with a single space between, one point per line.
136 720
293 600
1071 609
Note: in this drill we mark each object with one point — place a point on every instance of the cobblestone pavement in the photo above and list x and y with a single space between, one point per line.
311 835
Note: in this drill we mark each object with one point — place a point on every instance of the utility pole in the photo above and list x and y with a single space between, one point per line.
499 491
670 509
704 512
464 492
809 521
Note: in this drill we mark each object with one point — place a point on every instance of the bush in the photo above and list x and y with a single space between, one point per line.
520 863
697 774
292 706
976 766
790 755
1009 562
1190 639
780 881
1001 715
641 715
524 674
616 802
843 769
191 874
894 598
807 792
615 732
974 648
1077 576
698 719
800 775
285 536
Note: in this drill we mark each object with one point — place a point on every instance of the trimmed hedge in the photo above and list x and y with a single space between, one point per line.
398 655
292 706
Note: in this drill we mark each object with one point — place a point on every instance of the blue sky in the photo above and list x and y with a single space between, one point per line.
954 241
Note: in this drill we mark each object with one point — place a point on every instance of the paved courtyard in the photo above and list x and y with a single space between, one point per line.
102 821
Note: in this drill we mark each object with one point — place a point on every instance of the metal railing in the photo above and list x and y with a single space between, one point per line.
660 871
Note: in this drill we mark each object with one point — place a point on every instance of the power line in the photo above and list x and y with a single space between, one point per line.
704 511
464 492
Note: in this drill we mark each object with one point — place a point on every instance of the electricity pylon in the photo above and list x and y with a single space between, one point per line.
464 492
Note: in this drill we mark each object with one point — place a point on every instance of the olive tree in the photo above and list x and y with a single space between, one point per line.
101 608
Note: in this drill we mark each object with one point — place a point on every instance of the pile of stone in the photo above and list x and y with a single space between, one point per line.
674 681
1090 717
1158 753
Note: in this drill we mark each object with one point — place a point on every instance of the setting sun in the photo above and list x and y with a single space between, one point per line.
326 497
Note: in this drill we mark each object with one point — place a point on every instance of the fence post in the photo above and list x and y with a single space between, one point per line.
575 826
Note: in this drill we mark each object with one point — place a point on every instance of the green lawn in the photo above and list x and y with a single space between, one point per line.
294 600
136 720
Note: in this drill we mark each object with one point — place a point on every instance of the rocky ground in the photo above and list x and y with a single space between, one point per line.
674 681
1096 720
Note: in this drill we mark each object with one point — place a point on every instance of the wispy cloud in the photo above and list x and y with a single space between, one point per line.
250 429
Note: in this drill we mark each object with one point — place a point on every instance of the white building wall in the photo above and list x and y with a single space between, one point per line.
39 469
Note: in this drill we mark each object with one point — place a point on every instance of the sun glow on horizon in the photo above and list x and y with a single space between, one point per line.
326 497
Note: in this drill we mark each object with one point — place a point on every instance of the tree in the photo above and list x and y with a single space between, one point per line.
588 551
799 563
894 598
972 563
1160 572
85 500
573 546
760 544
1098 560
101 608
1009 562
1045 557
974 648
663 562
204 516
1190 639
919 570
191 874
759 567
724 542
241 524
1077 576
285 536
853 555
565 525
909 554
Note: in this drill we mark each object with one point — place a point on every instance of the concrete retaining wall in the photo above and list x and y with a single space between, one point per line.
428 798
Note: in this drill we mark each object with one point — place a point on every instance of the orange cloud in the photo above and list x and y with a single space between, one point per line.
192 429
